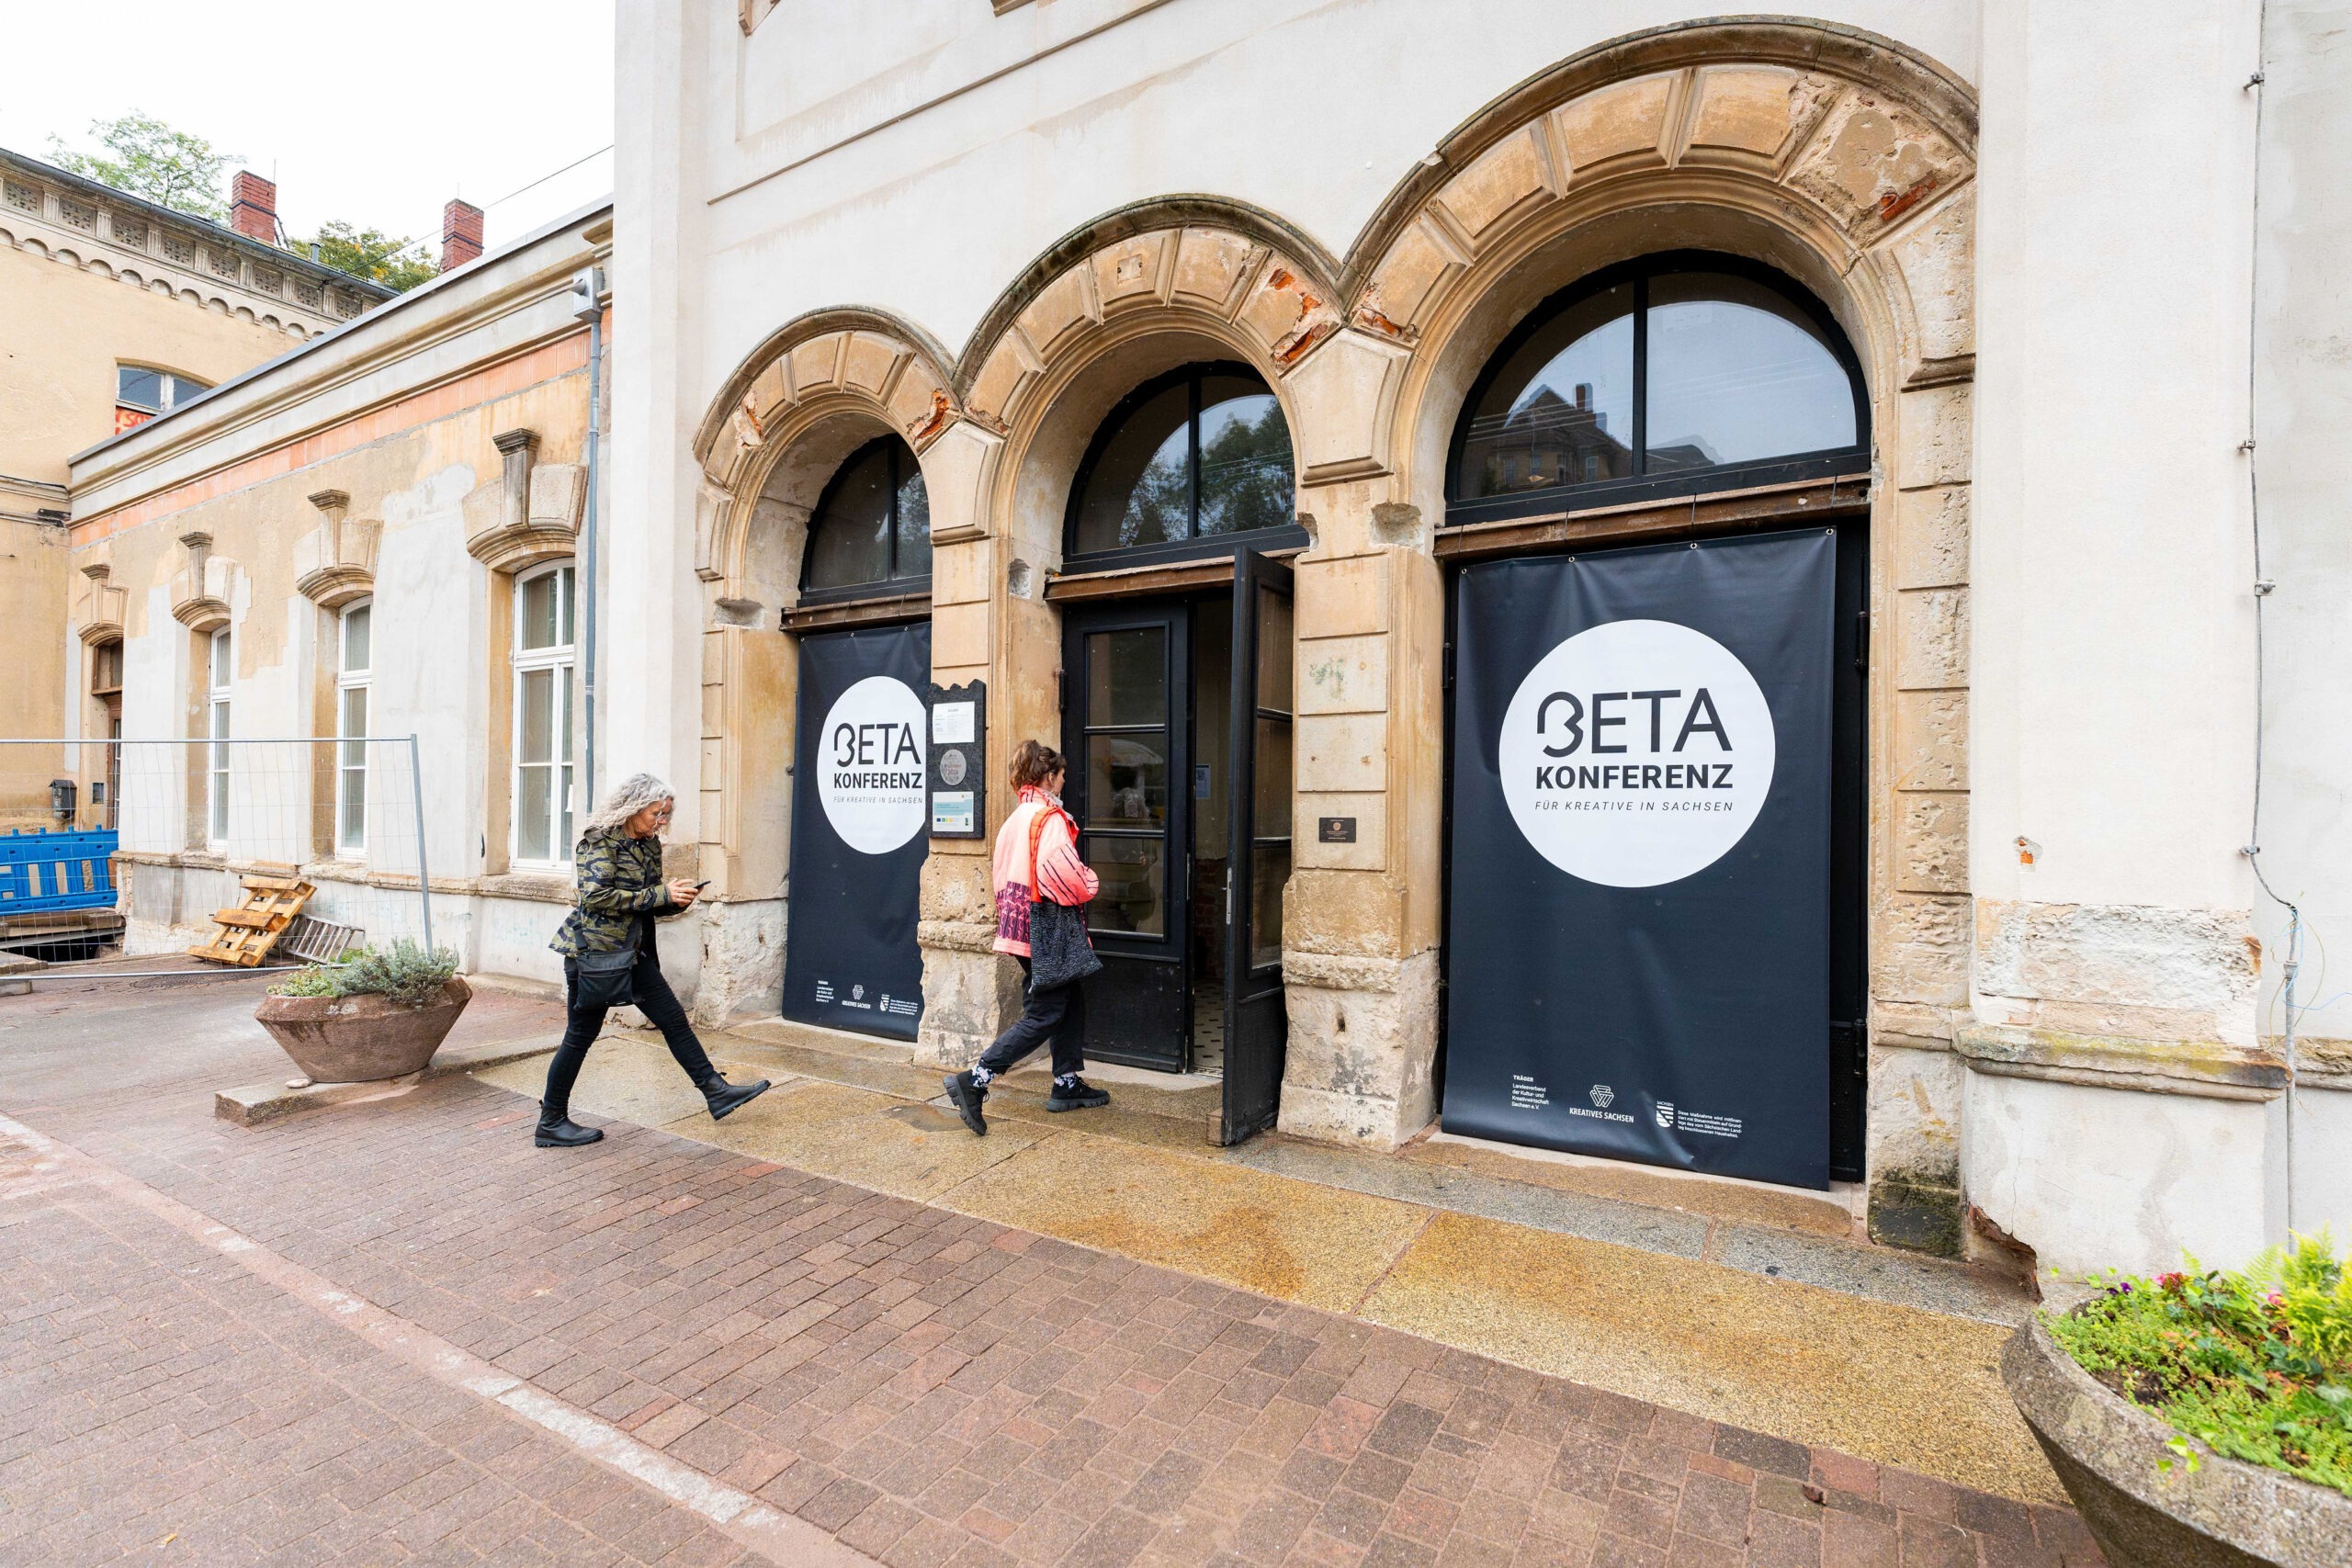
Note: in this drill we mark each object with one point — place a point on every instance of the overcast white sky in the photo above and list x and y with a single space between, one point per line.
375 114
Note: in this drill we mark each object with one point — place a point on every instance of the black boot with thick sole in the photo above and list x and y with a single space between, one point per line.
967 1097
725 1098
1077 1095
557 1131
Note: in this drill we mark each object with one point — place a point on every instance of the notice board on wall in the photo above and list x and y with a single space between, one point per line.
1638 945
959 783
858 832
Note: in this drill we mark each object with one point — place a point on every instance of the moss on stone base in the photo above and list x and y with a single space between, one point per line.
1920 1216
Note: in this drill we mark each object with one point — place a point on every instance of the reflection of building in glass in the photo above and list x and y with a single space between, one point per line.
1546 440
1694 453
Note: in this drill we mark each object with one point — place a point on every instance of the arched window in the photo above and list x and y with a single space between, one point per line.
1201 453
1669 375
872 525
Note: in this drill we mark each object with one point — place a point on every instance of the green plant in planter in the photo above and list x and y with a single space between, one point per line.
404 973
2255 1364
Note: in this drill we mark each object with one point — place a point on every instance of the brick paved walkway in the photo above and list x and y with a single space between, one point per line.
933 1388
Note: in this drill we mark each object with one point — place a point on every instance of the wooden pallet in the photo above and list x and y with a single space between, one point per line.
250 931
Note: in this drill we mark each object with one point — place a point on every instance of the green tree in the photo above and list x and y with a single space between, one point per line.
153 160
396 261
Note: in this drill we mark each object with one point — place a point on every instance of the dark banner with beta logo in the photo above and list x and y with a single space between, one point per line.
1638 951
858 838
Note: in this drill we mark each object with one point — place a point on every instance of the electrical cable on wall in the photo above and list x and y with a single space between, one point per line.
2262 590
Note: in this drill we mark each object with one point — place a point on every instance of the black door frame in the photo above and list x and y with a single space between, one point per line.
1848 1025
1112 1001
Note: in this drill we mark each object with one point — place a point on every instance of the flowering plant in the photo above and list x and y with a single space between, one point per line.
2253 1363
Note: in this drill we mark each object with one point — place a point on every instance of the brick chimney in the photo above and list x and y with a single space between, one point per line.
460 235
252 206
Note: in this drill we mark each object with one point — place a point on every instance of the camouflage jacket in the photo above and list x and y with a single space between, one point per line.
619 879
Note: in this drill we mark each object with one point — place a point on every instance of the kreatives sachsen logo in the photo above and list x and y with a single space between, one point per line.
1603 1095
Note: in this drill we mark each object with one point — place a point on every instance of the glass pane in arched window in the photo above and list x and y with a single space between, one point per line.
1738 373
849 538
1139 489
1560 410
913 558
1245 457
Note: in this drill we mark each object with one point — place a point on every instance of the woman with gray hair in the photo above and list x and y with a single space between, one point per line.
621 894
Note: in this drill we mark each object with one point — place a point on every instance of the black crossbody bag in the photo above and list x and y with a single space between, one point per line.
606 979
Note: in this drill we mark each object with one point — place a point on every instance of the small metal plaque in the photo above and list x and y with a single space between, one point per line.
955 764
1335 829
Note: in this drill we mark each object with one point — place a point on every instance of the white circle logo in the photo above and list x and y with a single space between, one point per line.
869 763
1636 753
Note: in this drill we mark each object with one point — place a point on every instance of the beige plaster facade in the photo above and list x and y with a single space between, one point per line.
419 461
92 280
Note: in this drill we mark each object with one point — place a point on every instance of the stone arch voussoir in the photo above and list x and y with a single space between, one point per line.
849 361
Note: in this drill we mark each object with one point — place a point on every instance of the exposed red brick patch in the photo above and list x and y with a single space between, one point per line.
1895 203
1307 340
943 412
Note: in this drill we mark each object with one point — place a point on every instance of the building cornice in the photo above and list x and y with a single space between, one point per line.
383 358
92 226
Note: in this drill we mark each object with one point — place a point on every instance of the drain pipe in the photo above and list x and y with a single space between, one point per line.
587 305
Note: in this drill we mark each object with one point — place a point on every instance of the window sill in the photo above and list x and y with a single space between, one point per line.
1764 506
1210 549
819 610
1699 484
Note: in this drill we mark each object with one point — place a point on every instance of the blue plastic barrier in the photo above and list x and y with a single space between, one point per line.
42 871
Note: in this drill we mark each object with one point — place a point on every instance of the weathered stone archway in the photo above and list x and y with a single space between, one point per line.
1141 291
1837 157
813 392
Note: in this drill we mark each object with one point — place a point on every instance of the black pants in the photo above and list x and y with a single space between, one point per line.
654 998
1058 1014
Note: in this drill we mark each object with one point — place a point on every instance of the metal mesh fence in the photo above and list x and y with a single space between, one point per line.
175 829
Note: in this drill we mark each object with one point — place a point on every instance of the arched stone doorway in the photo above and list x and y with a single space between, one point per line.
814 393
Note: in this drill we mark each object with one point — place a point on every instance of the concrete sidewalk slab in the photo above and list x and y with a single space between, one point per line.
1290 1240
1623 1297
1886 1383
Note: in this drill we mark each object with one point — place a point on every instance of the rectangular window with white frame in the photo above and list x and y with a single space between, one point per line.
219 668
543 658
351 663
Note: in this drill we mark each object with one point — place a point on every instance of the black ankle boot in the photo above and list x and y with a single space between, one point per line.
559 1130
968 1097
724 1098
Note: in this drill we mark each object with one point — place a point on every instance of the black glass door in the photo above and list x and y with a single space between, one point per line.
1257 866
1126 689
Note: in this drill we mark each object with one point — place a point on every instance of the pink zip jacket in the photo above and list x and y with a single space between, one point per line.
1067 879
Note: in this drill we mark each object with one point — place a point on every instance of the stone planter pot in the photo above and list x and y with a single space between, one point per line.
360 1039
2225 1514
